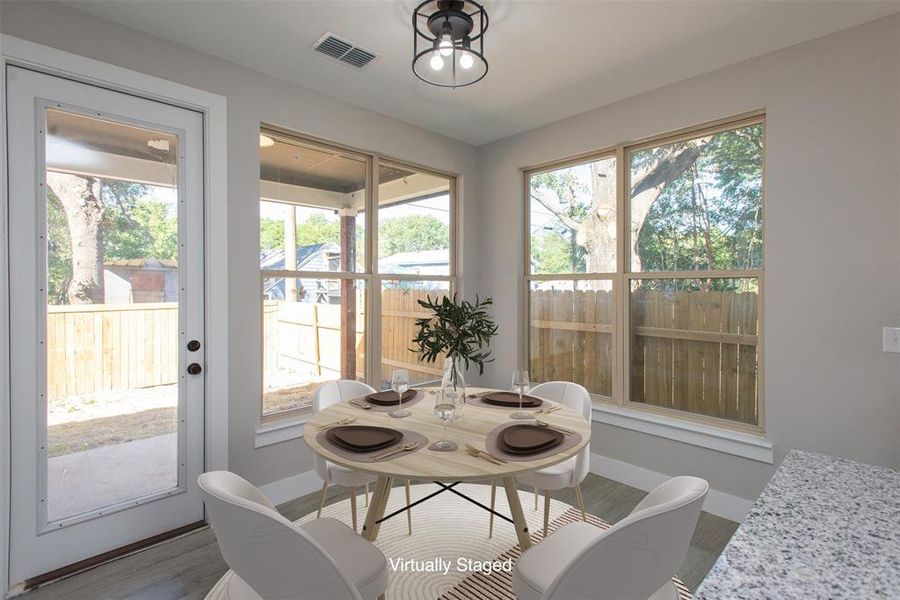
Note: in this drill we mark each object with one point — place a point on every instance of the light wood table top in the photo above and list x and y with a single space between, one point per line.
458 465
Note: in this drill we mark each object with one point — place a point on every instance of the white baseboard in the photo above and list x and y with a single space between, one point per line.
289 488
718 503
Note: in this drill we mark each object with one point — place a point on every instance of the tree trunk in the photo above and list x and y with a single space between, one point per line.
83 205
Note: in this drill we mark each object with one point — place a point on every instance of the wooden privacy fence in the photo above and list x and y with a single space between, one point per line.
307 337
399 311
693 351
104 347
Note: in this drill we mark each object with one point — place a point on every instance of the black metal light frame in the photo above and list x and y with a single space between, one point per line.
466 21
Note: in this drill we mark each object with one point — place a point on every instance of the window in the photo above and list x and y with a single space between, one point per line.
319 266
661 313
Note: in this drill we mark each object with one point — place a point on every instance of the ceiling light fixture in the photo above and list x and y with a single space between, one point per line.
265 141
452 30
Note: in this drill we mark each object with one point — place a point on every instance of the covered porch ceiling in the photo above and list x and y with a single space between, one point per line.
290 172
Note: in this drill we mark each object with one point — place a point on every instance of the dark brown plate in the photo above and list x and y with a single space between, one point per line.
511 399
528 439
389 397
363 438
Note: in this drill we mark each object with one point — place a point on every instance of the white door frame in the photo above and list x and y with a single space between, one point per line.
15 51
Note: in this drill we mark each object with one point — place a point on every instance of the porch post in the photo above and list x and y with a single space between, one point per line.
348 294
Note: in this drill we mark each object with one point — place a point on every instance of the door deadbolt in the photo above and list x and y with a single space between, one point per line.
194 369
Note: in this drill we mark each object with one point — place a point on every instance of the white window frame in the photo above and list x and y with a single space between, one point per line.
287 424
722 434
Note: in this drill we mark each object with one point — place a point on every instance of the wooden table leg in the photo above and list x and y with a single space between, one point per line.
518 516
376 507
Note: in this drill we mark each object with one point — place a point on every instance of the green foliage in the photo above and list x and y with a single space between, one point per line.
412 233
457 329
59 251
134 226
556 252
710 217
553 248
317 229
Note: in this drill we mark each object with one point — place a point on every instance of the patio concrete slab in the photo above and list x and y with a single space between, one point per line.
89 480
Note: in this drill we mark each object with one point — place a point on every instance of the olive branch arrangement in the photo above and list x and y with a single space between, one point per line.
459 329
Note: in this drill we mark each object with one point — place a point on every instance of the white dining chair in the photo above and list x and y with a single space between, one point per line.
570 472
635 559
334 392
270 557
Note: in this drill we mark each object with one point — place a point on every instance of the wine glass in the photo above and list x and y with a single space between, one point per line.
445 410
400 383
520 384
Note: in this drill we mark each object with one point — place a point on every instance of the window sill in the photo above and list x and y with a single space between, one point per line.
745 445
275 432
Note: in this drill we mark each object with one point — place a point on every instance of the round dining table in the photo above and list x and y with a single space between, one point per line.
446 469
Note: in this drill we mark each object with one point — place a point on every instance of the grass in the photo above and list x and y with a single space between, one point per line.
77 436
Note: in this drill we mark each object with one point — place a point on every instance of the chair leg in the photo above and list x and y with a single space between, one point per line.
580 502
493 502
546 511
535 497
353 506
367 494
322 501
408 510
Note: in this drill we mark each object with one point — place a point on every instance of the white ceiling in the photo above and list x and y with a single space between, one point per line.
548 60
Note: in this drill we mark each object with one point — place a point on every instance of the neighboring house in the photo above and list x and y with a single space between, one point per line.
315 257
427 262
137 280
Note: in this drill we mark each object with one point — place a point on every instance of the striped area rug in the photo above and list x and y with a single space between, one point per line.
447 528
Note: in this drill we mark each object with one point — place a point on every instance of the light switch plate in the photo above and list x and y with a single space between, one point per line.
891 339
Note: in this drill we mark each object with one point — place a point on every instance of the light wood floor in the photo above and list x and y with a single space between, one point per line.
189 566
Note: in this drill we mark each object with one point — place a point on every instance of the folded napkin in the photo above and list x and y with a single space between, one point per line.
363 438
389 397
528 439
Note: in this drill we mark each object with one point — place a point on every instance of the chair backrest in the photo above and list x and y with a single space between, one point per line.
637 556
268 552
577 398
340 390
570 394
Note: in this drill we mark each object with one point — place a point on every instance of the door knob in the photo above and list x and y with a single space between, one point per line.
193 345
194 369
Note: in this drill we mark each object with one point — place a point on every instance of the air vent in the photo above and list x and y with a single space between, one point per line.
340 49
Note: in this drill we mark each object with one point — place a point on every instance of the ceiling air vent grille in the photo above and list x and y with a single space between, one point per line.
339 49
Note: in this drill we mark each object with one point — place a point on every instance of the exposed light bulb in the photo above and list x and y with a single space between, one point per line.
437 63
466 61
446 45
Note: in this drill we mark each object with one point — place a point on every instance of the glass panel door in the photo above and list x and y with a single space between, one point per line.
106 293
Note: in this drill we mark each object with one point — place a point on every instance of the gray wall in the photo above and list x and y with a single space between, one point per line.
252 98
832 246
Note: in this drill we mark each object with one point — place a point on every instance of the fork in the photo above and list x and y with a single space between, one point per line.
404 448
344 421
487 457
360 404
548 410
554 427
485 453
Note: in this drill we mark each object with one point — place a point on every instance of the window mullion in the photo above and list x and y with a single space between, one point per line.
623 260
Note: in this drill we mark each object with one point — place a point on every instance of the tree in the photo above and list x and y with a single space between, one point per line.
694 205
81 201
91 221
412 233
594 224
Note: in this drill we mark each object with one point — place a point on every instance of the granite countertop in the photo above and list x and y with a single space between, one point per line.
824 527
